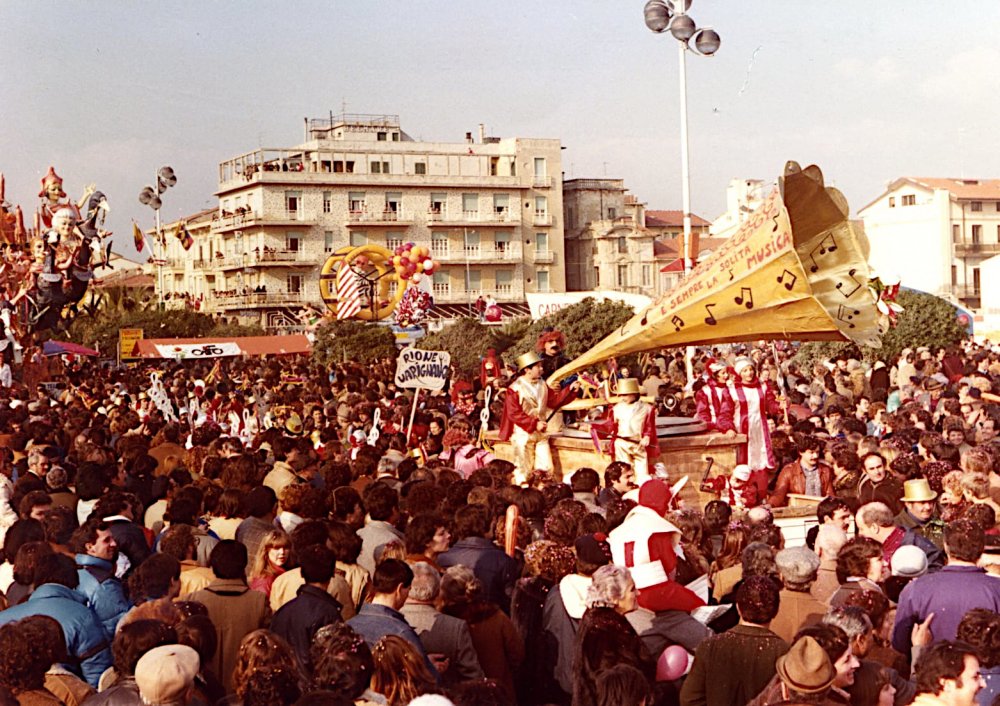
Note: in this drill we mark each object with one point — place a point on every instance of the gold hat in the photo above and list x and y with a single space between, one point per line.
293 425
628 386
526 360
917 490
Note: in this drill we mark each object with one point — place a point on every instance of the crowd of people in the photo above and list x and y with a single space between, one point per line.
269 531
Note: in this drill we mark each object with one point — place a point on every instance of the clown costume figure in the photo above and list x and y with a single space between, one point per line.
713 403
753 402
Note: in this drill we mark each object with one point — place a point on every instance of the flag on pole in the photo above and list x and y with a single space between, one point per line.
182 234
348 292
137 237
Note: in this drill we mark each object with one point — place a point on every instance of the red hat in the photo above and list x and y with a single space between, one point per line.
655 494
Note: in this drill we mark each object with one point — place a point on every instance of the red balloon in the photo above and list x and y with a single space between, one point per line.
672 664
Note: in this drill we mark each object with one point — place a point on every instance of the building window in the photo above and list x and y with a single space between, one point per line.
541 206
892 202
393 240
293 242
293 200
502 240
647 276
505 281
393 203
494 164
439 244
622 245
622 279
470 204
956 233
501 204
977 234
513 167
597 277
976 206
975 281
379 167
542 243
294 284
328 241
998 206
612 213
327 201
420 167
438 201
473 281
340 166
472 243
540 167
954 276
543 280
380 136
358 239
356 201
909 199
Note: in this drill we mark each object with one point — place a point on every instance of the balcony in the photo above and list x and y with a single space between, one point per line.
976 249
965 291
281 217
268 258
446 294
542 218
544 256
541 182
442 289
511 252
257 299
495 217
379 217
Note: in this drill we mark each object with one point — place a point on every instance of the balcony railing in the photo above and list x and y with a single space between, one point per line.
984 249
965 291
379 215
544 256
257 299
542 218
511 252
541 182
442 289
282 216
495 216
259 259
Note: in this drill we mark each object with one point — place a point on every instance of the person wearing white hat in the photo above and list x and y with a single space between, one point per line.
736 490
527 407
754 401
713 403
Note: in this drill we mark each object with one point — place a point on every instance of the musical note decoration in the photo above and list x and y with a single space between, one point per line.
678 323
847 314
745 297
857 284
788 284
826 245
710 319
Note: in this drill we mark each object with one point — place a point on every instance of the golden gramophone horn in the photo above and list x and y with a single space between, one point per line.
796 269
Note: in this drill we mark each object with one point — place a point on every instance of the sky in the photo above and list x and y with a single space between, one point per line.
107 91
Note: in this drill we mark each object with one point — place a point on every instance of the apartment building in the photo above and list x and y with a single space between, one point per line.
490 209
935 233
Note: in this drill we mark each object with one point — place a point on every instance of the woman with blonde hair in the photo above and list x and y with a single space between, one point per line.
494 637
727 569
400 673
262 651
270 561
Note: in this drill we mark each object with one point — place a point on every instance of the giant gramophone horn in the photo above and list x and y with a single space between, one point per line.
797 270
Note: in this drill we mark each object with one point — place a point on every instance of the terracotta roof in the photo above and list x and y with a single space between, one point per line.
669 249
672 219
986 189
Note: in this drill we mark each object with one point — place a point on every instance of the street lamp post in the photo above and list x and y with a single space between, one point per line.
671 15
150 196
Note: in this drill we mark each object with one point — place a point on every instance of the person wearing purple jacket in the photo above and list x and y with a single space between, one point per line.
949 593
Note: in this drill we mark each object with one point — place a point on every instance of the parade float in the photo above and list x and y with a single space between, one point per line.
796 270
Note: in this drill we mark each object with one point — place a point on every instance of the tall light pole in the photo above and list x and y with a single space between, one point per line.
150 196
671 15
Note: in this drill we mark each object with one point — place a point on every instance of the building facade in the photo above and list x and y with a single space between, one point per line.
743 197
936 233
489 210
614 243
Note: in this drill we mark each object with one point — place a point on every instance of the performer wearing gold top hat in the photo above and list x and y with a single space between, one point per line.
632 425
527 406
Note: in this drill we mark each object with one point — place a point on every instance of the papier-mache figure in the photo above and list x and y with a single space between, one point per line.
528 405
713 403
53 195
631 423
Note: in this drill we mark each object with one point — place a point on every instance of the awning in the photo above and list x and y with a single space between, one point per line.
51 348
204 348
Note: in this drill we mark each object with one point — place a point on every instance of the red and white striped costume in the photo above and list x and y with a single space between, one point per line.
753 402
714 406
647 544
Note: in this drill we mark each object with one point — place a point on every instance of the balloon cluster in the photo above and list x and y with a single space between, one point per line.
412 261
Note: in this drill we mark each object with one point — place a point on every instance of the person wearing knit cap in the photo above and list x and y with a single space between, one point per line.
713 403
165 675
648 544
753 402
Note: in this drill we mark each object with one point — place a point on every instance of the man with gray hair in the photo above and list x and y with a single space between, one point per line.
829 540
440 634
876 521
854 621
797 567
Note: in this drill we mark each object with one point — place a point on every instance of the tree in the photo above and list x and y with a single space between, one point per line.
583 324
466 340
339 341
927 320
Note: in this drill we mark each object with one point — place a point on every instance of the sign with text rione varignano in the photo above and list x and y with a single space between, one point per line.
416 368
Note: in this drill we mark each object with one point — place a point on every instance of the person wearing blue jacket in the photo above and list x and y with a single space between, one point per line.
96 558
56 578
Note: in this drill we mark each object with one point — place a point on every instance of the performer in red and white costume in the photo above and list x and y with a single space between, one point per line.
713 403
736 491
528 404
754 400
648 545
631 423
